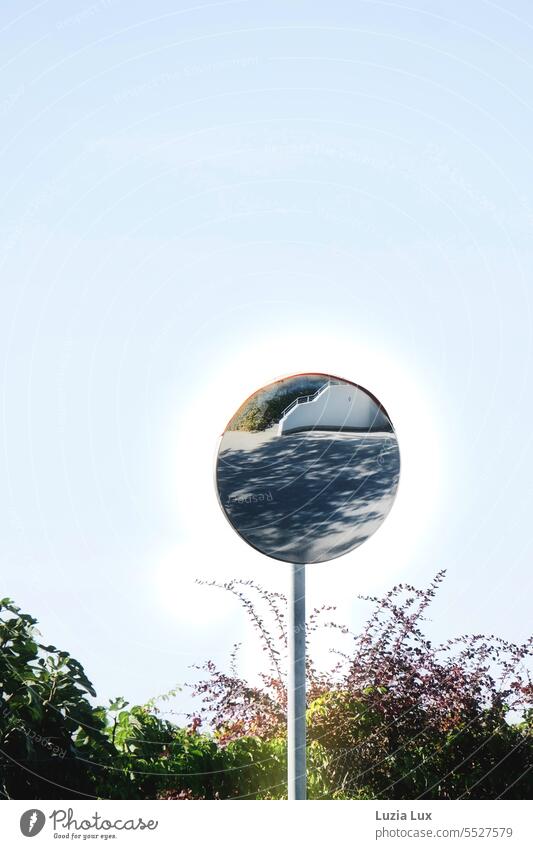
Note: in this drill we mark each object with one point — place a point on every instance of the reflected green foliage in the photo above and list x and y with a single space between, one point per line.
261 415
264 408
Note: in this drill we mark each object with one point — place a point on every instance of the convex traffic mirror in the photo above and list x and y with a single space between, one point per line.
308 468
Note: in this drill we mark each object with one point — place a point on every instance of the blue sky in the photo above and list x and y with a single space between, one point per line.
197 200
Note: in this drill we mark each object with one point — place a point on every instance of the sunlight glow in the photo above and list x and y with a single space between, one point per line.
208 547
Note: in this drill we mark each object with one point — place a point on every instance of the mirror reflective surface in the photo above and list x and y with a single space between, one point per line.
308 468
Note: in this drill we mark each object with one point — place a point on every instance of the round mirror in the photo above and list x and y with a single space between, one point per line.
308 467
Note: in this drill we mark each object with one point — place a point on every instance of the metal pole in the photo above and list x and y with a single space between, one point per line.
296 772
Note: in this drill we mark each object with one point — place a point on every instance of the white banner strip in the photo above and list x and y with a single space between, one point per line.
263 825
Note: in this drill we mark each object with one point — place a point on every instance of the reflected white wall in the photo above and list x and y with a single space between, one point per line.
336 406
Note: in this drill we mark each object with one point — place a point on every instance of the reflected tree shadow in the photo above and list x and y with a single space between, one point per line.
308 496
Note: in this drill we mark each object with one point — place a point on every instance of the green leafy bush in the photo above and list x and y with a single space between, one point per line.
396 718
50 733
264 410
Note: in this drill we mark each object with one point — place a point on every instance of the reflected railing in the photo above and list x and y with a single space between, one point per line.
304 399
